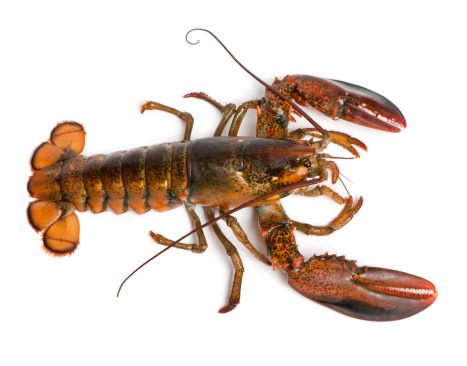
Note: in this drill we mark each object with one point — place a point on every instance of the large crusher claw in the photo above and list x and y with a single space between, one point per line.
339 99
366 293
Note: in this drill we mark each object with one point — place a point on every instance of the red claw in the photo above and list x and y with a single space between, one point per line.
339 99
366 293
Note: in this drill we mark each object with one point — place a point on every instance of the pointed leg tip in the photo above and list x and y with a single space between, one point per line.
360 201
144 107
228 308
155 237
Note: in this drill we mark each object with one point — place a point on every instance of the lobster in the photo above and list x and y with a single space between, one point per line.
225 172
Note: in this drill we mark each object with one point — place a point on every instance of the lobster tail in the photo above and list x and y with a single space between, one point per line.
49 214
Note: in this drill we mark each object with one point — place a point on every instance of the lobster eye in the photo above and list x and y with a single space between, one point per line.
306 163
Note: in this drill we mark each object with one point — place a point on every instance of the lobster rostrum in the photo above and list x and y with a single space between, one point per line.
231 171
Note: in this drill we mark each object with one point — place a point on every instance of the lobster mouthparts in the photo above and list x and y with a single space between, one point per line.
366 293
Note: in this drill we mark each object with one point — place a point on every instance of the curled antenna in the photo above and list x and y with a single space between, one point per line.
270 88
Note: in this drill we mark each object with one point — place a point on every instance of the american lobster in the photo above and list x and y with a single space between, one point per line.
226 172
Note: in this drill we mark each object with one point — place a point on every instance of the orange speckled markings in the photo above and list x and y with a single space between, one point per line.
362 292
179 181
97 199
44 184
111 175
71 182
133 176
159 178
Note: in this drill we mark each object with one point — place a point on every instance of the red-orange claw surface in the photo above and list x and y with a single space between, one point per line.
353 103
366 293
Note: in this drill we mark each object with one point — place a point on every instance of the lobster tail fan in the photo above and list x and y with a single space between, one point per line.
66 141
49 214
45 155
42 214
62 237
69 136
60 224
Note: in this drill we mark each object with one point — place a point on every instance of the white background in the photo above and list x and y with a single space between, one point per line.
97 62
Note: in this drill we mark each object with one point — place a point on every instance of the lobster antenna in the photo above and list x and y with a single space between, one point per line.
246 204
346 177
270 88
344 185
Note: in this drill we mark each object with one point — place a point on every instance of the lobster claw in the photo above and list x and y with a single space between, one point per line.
366 293
339 99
